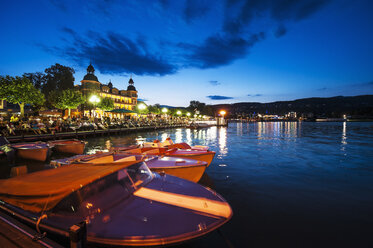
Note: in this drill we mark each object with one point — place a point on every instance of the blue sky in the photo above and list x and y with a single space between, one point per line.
211 51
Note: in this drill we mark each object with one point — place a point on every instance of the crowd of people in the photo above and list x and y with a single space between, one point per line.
44 125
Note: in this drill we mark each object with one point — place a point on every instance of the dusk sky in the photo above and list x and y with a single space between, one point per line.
210 51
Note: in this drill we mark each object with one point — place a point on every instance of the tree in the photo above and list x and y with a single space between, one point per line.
58 77
69 99
106 104
19 90
196 106
154 109
38 79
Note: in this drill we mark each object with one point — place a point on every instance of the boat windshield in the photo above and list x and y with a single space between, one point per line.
109 189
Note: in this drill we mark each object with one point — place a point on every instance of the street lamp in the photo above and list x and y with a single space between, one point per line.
178 112
94 100
188 114
164 110
223 113
142 106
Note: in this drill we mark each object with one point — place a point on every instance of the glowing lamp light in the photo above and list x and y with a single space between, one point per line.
142 106
178 112
195 116
188 114
94 99
223 112
164 110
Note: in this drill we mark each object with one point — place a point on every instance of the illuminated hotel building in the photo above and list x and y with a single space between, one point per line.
124 100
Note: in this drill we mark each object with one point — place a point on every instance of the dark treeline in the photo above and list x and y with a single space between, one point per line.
334 107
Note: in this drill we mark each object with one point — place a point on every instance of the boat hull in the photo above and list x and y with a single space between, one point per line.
76 148
190 173
68 146
206 157
38 154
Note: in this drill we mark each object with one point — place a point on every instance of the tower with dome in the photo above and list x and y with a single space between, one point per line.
124 100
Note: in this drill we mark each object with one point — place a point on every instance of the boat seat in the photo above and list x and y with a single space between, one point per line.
18 170
105 159
130 158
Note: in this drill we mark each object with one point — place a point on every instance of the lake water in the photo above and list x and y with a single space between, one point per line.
290 184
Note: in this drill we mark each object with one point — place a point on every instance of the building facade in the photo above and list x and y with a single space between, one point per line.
125 100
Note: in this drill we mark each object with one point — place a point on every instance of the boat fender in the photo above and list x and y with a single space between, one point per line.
39 235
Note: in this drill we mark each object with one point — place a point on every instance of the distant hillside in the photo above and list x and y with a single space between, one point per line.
358 106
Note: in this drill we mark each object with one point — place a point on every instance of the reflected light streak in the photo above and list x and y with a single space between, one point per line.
239 128
178 136
223 150
188 136
164 136
344 136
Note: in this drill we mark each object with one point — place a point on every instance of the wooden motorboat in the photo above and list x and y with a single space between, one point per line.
201 155
122 205
168 143
188 169
38 151
72 146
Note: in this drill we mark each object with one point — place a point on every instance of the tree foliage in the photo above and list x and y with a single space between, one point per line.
19 90
58 78
38 79
106 104
196 106
68 99
204 109
154 109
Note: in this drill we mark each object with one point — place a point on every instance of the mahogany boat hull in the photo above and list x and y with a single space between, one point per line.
206 157
190 173
38 154
72 148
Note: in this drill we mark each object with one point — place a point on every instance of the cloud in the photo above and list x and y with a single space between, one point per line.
59 4
218 50
322 89
195 9
235 33
216 97
367 84
113 53
240 14
280 31
214 82
254 95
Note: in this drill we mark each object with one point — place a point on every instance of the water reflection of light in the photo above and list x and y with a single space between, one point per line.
260 131
344 136
239 128
93 150
164 136
271 130
223 150
178 136
211 134
140 140
188 136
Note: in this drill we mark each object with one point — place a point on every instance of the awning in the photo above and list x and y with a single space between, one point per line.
121 111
